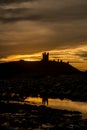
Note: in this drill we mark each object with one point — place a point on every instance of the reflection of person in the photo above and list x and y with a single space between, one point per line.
45 101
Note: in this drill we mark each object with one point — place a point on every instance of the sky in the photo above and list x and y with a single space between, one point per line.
30 27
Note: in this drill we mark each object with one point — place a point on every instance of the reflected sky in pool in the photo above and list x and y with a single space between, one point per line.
64 104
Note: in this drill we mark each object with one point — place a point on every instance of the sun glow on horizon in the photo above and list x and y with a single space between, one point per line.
73 56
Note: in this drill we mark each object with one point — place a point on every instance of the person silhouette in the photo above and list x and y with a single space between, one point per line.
45 101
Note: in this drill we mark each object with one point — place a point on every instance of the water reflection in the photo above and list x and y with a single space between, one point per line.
60 104
37 100
34 100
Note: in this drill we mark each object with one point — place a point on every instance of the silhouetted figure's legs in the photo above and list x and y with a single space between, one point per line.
45 100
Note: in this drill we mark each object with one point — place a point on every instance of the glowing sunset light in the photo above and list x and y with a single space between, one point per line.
28 28
20 57
43 64
74 56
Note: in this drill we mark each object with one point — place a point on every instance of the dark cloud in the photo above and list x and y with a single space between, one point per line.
85 58
30 26
14 15
13 1
83 54
46 14
24 48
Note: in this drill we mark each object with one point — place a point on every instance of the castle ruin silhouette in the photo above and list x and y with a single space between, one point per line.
45 57
45 67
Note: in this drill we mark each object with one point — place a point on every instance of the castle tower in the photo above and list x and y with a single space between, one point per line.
45 57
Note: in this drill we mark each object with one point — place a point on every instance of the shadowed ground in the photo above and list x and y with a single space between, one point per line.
27 117
30 117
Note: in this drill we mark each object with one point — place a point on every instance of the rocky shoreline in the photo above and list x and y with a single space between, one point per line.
31 117
72 87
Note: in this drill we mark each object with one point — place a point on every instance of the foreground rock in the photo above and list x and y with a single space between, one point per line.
27 117
72 87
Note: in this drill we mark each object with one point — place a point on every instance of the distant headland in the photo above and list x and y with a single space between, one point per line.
44 67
